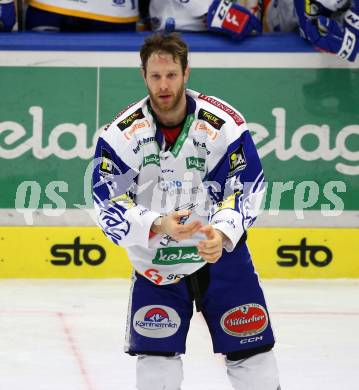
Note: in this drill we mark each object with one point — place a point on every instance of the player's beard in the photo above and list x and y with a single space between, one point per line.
174 102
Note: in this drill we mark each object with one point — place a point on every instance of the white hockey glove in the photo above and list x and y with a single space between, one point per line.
227 16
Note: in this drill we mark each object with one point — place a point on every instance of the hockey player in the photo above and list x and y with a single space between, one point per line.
89 15
177 181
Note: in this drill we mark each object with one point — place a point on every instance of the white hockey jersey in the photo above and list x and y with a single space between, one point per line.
187 15
212 169
113 11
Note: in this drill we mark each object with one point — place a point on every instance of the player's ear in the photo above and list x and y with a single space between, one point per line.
186 74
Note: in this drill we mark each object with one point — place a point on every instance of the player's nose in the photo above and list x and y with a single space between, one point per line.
163 84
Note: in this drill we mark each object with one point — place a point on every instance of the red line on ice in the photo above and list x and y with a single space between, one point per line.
75 350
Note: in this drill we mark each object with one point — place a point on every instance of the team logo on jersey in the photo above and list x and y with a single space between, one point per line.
138 114
246 320
237 161
106 165
156 321
210 118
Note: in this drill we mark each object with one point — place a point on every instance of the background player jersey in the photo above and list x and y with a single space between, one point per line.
187 15
212 169
115 11
279 15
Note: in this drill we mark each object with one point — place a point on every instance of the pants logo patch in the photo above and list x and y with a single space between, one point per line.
156 321
246 320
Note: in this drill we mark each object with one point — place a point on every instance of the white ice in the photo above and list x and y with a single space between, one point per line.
68 335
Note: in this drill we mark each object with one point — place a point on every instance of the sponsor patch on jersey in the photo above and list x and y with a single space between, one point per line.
151 159
142 142
156 321
195 163
237 161
237 118
213 134
210 118
106 165
177 255
124 123
123 111
246 320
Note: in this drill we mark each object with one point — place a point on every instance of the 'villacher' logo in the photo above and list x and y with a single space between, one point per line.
246 320
66 254
294 254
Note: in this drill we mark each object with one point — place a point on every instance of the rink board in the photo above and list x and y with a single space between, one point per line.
84 252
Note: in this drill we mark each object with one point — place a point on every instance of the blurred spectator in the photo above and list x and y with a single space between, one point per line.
7 15
79 16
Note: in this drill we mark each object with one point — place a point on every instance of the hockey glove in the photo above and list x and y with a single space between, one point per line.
7 15
351 18
231 18
312 9
329 36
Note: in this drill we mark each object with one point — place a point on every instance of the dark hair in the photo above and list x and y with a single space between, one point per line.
165 43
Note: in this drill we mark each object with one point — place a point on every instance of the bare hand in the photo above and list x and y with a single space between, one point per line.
170 224
211 248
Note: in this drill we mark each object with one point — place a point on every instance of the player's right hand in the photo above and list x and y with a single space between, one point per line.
171 225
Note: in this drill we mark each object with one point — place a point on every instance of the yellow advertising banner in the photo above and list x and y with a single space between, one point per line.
60 252
84 252
305 253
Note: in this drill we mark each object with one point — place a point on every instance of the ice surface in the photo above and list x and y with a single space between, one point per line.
68 335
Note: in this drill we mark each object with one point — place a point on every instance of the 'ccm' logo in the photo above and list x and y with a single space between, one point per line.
295 254
92 254
225 6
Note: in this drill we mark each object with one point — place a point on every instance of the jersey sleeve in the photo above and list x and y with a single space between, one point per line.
238 188
115 170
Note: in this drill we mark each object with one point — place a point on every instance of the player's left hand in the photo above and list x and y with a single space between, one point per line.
211 248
